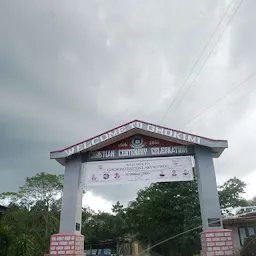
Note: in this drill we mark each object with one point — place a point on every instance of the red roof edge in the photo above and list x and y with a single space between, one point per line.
128 124
239 220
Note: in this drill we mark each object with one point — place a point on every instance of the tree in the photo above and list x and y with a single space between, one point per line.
35 210
42 187
23 245
252 202
117 208
13 244
164 210
230 193
160 211
120 227
167 209
5 239
101 226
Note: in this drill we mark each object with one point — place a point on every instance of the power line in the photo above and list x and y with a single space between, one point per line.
207 58
223 97
251 91
180 234
198 59
175 236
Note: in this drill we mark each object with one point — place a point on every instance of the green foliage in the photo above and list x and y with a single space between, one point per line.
43 187
164 210
252 202
230 193
13 244
161 211
34 213
5 239
101 226
23 245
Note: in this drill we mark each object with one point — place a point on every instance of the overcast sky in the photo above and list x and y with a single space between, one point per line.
72 69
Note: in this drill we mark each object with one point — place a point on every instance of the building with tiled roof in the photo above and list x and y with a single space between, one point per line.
243 225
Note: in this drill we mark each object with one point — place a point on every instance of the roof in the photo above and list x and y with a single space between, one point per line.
245 215
239 220
139 127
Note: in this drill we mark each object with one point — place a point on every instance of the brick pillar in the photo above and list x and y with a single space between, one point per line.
66 244
217 242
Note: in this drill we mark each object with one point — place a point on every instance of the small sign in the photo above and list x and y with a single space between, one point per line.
78 226
214 222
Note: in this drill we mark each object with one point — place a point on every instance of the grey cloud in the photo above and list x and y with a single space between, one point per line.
242 49
71 71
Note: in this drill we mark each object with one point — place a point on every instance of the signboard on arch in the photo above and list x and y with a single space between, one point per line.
138 146
165 169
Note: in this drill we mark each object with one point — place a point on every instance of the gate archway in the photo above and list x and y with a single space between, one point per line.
159 154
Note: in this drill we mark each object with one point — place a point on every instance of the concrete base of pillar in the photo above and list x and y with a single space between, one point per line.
66 244
217 242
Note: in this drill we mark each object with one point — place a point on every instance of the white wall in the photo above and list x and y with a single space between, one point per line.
235 236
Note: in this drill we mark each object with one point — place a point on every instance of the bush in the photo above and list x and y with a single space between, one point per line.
5 239
12 244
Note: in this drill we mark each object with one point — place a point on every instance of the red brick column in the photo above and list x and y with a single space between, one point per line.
217 242
66 244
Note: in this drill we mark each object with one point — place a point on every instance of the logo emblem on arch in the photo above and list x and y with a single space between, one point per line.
137 142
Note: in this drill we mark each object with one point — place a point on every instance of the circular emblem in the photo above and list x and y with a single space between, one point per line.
105 176
137 142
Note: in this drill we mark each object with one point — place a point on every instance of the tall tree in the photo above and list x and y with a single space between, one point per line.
42 187
120 227
23 245
160 211
164 210
34 209
15 244
101 226
252 202
230 193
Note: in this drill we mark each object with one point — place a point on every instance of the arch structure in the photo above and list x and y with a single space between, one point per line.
134 152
